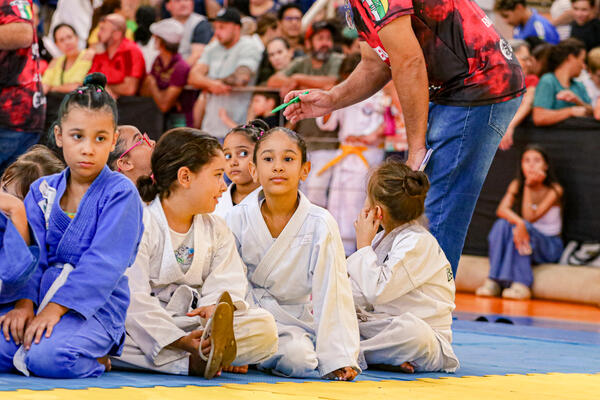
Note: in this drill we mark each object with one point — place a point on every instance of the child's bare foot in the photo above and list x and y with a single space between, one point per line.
342 374
106 362
407 368
242 369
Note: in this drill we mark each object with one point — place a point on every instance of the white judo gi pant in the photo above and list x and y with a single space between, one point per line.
255 334
394 340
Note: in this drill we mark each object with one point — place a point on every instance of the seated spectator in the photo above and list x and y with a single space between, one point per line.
267 28
144 17
66 73
585 27
540 55
526 21
122 60
521 51
260 108
76 13
529 228
258 8
230 61
132 153
558 95
197 31
106 8
591 79
169 75
279 55
350 42
290 26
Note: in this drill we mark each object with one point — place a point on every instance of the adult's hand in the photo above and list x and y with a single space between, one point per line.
314 104
416 157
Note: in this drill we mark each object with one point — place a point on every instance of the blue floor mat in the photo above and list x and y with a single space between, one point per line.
483 349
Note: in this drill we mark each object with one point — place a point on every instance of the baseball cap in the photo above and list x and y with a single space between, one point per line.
229 15
168 30
319 26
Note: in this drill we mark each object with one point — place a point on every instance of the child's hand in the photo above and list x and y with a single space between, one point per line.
343 374
16 320
366 226
192 343
535 177
10 204
205 311
44 321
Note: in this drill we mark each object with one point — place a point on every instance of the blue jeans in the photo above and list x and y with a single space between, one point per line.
13 144
464 141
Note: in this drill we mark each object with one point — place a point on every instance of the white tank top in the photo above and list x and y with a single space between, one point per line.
550 224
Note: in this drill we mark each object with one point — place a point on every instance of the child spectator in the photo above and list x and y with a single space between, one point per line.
238 148
526 21
360 133
169 75
558 95
121 61
585 27
402 281
260 108
529 228
132 153
68 71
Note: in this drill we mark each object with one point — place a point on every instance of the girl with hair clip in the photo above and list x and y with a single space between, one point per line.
238 148
19 251
528 230
88 221
187 314
402 281
296 265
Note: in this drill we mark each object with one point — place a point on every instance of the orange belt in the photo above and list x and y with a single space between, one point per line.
346 151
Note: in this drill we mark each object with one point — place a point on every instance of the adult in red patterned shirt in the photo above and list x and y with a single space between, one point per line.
459 86
119 58
22 103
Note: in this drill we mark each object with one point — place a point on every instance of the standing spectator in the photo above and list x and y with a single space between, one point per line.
68 71
526 21
290 25
22 102
230 61
558 96
585 27
521 50
320 69
197 31
122 60
165 83
144 17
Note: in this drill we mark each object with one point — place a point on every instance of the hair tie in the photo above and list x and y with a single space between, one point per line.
99 90
262 133
80 91
153 180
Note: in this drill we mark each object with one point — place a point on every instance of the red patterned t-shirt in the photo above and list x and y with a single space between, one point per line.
22 102
468 62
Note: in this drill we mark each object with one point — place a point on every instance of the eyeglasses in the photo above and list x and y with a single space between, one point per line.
292 18
144 138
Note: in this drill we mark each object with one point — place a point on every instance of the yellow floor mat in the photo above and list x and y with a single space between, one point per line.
533 386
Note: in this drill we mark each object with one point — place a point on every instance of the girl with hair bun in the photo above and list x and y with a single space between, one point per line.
88 223
188 314
239 147
402 282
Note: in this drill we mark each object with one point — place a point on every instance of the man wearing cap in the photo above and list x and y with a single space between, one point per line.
168 76
119 58
230 61
459 85
318 69
197 30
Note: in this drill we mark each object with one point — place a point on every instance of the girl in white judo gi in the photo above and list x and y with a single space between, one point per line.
402 281
296 265
238 147
187 258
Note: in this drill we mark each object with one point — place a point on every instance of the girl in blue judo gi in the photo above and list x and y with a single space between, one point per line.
88 221
528 230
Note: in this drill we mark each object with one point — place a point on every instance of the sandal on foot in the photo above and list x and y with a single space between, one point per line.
223 347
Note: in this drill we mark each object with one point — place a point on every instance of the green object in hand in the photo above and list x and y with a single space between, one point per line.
284 105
